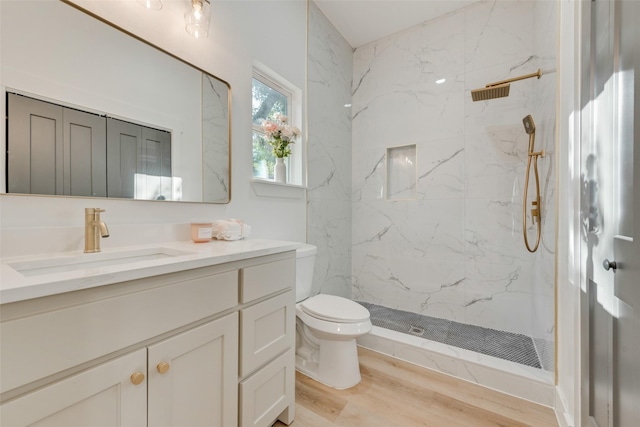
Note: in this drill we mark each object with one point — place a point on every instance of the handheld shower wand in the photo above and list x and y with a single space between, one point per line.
530 129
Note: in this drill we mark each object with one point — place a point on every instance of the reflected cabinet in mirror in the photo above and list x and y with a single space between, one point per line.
92 111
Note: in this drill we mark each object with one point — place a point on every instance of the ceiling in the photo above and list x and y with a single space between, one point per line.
363 21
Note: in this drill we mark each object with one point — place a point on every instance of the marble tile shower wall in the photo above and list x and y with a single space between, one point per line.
330 63
455 251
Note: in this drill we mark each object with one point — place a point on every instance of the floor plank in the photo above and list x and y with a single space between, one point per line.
394 393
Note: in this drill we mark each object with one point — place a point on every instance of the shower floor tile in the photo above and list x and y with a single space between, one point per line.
504 345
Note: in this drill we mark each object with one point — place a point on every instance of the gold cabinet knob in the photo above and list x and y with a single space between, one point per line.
137 378
163 367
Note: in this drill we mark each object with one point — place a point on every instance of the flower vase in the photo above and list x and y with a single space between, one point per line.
280 172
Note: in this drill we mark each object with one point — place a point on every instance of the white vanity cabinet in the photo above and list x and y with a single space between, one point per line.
194 369
103 396
167 350
192 377
267 343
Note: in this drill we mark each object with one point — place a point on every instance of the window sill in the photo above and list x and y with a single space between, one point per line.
268 188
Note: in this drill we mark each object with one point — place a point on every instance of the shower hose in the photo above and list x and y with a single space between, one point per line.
535 212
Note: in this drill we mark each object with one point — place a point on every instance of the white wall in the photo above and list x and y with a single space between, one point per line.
271 32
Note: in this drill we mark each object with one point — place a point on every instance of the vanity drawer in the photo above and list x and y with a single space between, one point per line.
264 279
268 392
37 346
267 329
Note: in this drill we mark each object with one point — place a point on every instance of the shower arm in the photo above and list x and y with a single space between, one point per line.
515 79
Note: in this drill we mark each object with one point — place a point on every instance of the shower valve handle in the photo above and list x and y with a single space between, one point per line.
535 212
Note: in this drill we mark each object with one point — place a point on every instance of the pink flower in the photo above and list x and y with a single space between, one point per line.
279 135
269 127
286 132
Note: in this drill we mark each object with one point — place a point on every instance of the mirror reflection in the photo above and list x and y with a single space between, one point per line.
162 130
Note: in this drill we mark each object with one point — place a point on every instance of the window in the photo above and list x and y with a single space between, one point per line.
270 99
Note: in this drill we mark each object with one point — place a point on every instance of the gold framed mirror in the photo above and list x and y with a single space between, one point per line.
71 59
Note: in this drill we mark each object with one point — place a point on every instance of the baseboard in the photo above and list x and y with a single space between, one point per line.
564 418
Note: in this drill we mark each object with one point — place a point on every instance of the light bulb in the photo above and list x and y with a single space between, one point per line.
197 19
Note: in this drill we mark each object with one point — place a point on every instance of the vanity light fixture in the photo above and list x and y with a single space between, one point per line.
197 19
151 4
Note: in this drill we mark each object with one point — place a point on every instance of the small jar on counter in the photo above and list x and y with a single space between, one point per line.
201 231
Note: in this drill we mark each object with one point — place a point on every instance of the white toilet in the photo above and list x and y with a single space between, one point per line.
326 329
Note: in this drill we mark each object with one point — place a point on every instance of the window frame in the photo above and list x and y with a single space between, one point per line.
293 96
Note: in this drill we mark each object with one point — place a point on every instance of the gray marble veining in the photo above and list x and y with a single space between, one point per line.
215 135
455 250
329 158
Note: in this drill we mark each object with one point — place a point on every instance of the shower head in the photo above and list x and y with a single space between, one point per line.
529 126
499 89
491 92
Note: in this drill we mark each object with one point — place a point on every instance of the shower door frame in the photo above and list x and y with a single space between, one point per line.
596 325
600 394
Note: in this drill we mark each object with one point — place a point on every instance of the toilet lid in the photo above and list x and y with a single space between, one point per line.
335 309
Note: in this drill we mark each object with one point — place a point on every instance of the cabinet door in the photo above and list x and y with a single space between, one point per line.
34 146
193 377
154 166
157 145
103 396
139 161
55 150
85 151
123 140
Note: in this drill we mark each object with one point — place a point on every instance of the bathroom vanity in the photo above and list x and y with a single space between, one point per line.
178 335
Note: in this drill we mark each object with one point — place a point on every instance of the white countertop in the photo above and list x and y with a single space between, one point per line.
15 286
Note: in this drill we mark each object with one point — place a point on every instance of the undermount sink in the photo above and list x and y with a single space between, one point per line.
63 264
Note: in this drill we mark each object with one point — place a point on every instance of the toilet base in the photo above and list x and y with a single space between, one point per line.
332 363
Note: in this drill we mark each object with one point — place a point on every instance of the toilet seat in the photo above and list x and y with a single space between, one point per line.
332 330
336 309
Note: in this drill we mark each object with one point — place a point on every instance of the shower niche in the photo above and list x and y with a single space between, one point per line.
401 175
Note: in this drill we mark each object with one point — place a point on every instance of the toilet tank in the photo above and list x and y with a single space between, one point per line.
305 261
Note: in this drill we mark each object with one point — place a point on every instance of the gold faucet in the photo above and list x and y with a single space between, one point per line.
92 223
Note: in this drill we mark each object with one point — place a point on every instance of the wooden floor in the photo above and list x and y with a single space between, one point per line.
394 393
